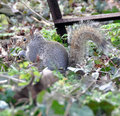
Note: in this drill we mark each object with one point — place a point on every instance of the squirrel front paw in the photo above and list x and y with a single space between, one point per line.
22 54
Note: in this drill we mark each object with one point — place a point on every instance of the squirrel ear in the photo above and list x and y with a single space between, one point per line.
32 29
31 32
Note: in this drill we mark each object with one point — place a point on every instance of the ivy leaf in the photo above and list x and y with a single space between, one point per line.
40 96
57 107
102 107
75 110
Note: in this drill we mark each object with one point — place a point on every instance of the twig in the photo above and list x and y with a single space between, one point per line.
83 92
68 107
31 81
3 82
48 23
78 95
111 61
12 78
40 21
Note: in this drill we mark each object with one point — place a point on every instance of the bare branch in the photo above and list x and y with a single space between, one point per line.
3 81
12 78
47 22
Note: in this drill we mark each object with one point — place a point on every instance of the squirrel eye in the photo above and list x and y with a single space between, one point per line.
24 39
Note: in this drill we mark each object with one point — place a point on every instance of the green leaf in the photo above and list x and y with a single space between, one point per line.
101 107
75 110
107 107
9 95
20 113
36 73
97 62
94 105
5 113
106 69
57 107
26 64
25 76
3 19
40 96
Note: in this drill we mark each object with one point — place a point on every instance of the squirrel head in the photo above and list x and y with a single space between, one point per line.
23 41
35 38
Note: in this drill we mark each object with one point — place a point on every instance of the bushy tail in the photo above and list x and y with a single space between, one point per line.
78 43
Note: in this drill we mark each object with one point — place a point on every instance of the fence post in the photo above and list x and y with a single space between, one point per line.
56 14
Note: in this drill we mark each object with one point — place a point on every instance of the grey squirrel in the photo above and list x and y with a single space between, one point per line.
53 55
